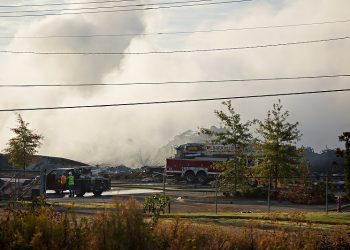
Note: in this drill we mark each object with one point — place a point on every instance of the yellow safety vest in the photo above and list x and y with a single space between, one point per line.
71 180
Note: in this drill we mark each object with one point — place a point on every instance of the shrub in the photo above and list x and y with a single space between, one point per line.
155 204
40 228
123 228
308 193
126 228
253 192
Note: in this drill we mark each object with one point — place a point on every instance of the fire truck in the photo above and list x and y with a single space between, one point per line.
194 161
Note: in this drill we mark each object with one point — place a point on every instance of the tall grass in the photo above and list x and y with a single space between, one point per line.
126 227
41 229
186 235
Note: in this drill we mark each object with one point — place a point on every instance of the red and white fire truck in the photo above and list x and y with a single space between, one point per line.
194 161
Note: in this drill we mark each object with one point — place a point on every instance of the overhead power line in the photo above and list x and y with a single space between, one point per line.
178 32
105 7
60 4
178 51
173 82
126 10
177 101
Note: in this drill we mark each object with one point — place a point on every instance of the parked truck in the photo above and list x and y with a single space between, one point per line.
84 181
194 161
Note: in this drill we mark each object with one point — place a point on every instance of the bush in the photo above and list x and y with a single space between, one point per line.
126 228
41 228
253 192
307 194
155 204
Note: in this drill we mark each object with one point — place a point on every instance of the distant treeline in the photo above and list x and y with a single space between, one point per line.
323 162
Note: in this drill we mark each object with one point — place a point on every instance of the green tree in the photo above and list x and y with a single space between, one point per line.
276 151
345 137
236 133
24 145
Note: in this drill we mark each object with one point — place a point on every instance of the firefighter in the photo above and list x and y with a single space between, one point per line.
71 184
63 181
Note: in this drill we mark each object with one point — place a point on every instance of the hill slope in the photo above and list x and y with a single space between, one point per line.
48 162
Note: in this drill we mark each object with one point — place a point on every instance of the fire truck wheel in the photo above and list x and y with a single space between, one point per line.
202 177
79 192
97 193
190 177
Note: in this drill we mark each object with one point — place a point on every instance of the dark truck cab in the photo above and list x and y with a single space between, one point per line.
84 181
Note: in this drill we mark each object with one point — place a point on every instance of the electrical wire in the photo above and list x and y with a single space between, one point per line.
178 101
177 51
178 32
173 82
126 10
106 7
60 4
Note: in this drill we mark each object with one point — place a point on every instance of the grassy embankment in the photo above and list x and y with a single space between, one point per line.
126 227
264 220
332 218
320 219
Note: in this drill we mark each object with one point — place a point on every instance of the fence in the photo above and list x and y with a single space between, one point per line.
260 194
253 194
18 183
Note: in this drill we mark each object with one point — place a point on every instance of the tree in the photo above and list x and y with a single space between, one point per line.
345 137
24 145
277 154
237 134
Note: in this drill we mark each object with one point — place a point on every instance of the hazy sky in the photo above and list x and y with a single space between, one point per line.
121 135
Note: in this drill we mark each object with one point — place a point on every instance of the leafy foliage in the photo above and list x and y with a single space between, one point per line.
276 151
305 191
234 132
24 145
155 204
41 228
233 175
237 134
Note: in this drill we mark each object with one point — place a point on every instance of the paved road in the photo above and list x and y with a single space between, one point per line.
105 197
187 201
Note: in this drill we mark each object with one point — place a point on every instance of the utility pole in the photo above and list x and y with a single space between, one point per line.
24 160
268 196
164 181
43 181
164 175
269 190
216 196
327 194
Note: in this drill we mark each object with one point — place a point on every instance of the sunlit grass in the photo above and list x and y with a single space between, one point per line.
332 218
